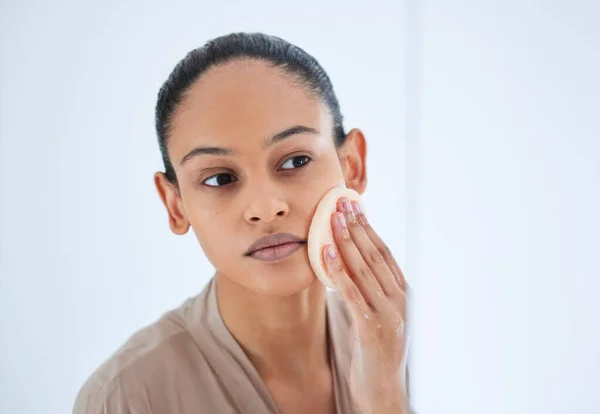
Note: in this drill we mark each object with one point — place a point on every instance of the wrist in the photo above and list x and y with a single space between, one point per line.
393 399
399 405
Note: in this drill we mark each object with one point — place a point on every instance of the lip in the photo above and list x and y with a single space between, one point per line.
279 252
273 241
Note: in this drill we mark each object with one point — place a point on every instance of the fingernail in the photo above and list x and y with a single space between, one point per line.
346 204
362 219
331 252
341 220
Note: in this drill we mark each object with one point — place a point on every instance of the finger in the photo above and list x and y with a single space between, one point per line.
384 250
369 252
354 299
358 269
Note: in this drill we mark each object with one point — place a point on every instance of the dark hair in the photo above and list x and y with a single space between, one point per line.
291 59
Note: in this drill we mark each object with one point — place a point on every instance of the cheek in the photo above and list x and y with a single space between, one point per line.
213 233
328 173
206 213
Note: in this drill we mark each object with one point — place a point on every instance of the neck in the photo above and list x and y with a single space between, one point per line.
283 336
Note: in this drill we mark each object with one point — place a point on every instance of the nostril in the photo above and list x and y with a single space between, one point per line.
281 213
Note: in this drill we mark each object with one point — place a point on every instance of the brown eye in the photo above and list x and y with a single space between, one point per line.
219 180
297 162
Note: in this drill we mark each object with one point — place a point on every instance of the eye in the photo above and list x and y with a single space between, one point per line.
220 180
301 161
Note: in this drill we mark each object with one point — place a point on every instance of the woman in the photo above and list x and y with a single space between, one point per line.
251 136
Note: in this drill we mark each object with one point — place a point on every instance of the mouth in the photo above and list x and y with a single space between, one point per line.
277 252
275 246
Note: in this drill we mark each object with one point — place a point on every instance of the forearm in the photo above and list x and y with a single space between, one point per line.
391 400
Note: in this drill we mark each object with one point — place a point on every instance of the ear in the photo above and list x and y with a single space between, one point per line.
171 198
353 157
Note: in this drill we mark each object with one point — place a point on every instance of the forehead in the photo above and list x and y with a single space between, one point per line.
243 102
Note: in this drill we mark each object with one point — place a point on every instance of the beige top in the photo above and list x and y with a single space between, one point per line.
188 362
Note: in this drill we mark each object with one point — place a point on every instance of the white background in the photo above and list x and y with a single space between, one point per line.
484 168
508 208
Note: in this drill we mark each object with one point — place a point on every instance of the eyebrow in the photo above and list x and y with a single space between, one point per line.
268 142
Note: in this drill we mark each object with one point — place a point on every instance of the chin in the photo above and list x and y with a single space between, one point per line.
282 280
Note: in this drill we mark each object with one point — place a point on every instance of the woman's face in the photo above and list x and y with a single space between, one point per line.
237 184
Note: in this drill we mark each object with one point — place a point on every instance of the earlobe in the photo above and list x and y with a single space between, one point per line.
171 199
354 161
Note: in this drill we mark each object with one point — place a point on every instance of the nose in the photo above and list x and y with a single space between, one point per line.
266 205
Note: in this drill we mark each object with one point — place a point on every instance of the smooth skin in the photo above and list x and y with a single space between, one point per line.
253 186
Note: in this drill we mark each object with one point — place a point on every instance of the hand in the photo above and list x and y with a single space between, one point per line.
374 289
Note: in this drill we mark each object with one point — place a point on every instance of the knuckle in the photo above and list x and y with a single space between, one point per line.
351 290
376 257
338 267
352 221
385 252
365 272
346 240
